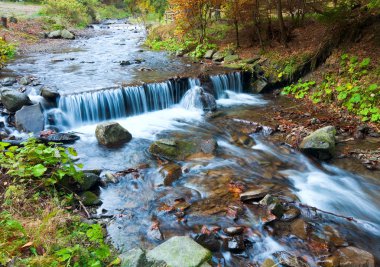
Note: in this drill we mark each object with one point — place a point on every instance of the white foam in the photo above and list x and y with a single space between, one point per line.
240 99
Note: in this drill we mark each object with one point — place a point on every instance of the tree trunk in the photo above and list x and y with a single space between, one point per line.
281 23
4 22
236 23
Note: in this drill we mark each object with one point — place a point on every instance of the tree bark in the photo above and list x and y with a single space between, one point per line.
281 23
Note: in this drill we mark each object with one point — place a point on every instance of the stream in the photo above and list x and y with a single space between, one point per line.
145 99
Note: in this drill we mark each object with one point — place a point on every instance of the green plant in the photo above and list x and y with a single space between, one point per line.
201 49
45 164
7 51
299 90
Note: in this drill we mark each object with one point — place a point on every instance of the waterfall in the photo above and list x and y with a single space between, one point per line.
96 106
231 81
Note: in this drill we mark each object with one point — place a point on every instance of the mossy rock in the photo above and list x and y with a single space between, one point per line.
180 251
320 144
174 149
90 199
231 58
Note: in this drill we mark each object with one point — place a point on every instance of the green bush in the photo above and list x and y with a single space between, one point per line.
70 12
7 51
353 88
44 164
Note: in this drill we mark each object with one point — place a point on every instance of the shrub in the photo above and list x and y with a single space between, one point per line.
7 51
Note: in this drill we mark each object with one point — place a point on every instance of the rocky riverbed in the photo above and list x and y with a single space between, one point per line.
168 164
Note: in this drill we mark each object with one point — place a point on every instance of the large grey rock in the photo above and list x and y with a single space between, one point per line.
180 251
30 119
259 85
231 58
133 258
14 100
90 180
354 257
65 34
112 134
209 54
48 93
9 81
90 199
320 144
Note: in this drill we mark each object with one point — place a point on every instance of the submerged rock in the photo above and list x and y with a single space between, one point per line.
353 257
112 134
9 81
174 149
234 244
171 173
30 119
180 251
320 144
14 100
284 258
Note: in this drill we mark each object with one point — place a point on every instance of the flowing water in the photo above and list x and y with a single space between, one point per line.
171 109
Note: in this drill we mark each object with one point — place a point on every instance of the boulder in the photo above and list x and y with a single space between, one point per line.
133 258
180 251
30 119
54 34
90 199
14 100
65 34
112 134
218 56
354 257
259 85
9 81
90 180
50 94
25 80
231 58
209 54
320 144
174 149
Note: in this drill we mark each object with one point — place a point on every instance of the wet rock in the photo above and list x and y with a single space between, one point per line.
299 228
254 195
234 244
90 180
234 230
180 53
268 263
209 54
320 144
181 149
209 241
273 205
133 258
154 233
125 63
26 80
353 257
334 237
9 81
286 259
14 100
65 34
65 138
90 199
30 119
112 134
180 251
290 214
259 85
110 178
243 140
231 58
50 94
171 173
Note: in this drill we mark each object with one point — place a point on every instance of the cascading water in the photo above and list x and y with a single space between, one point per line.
96 106
227 82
